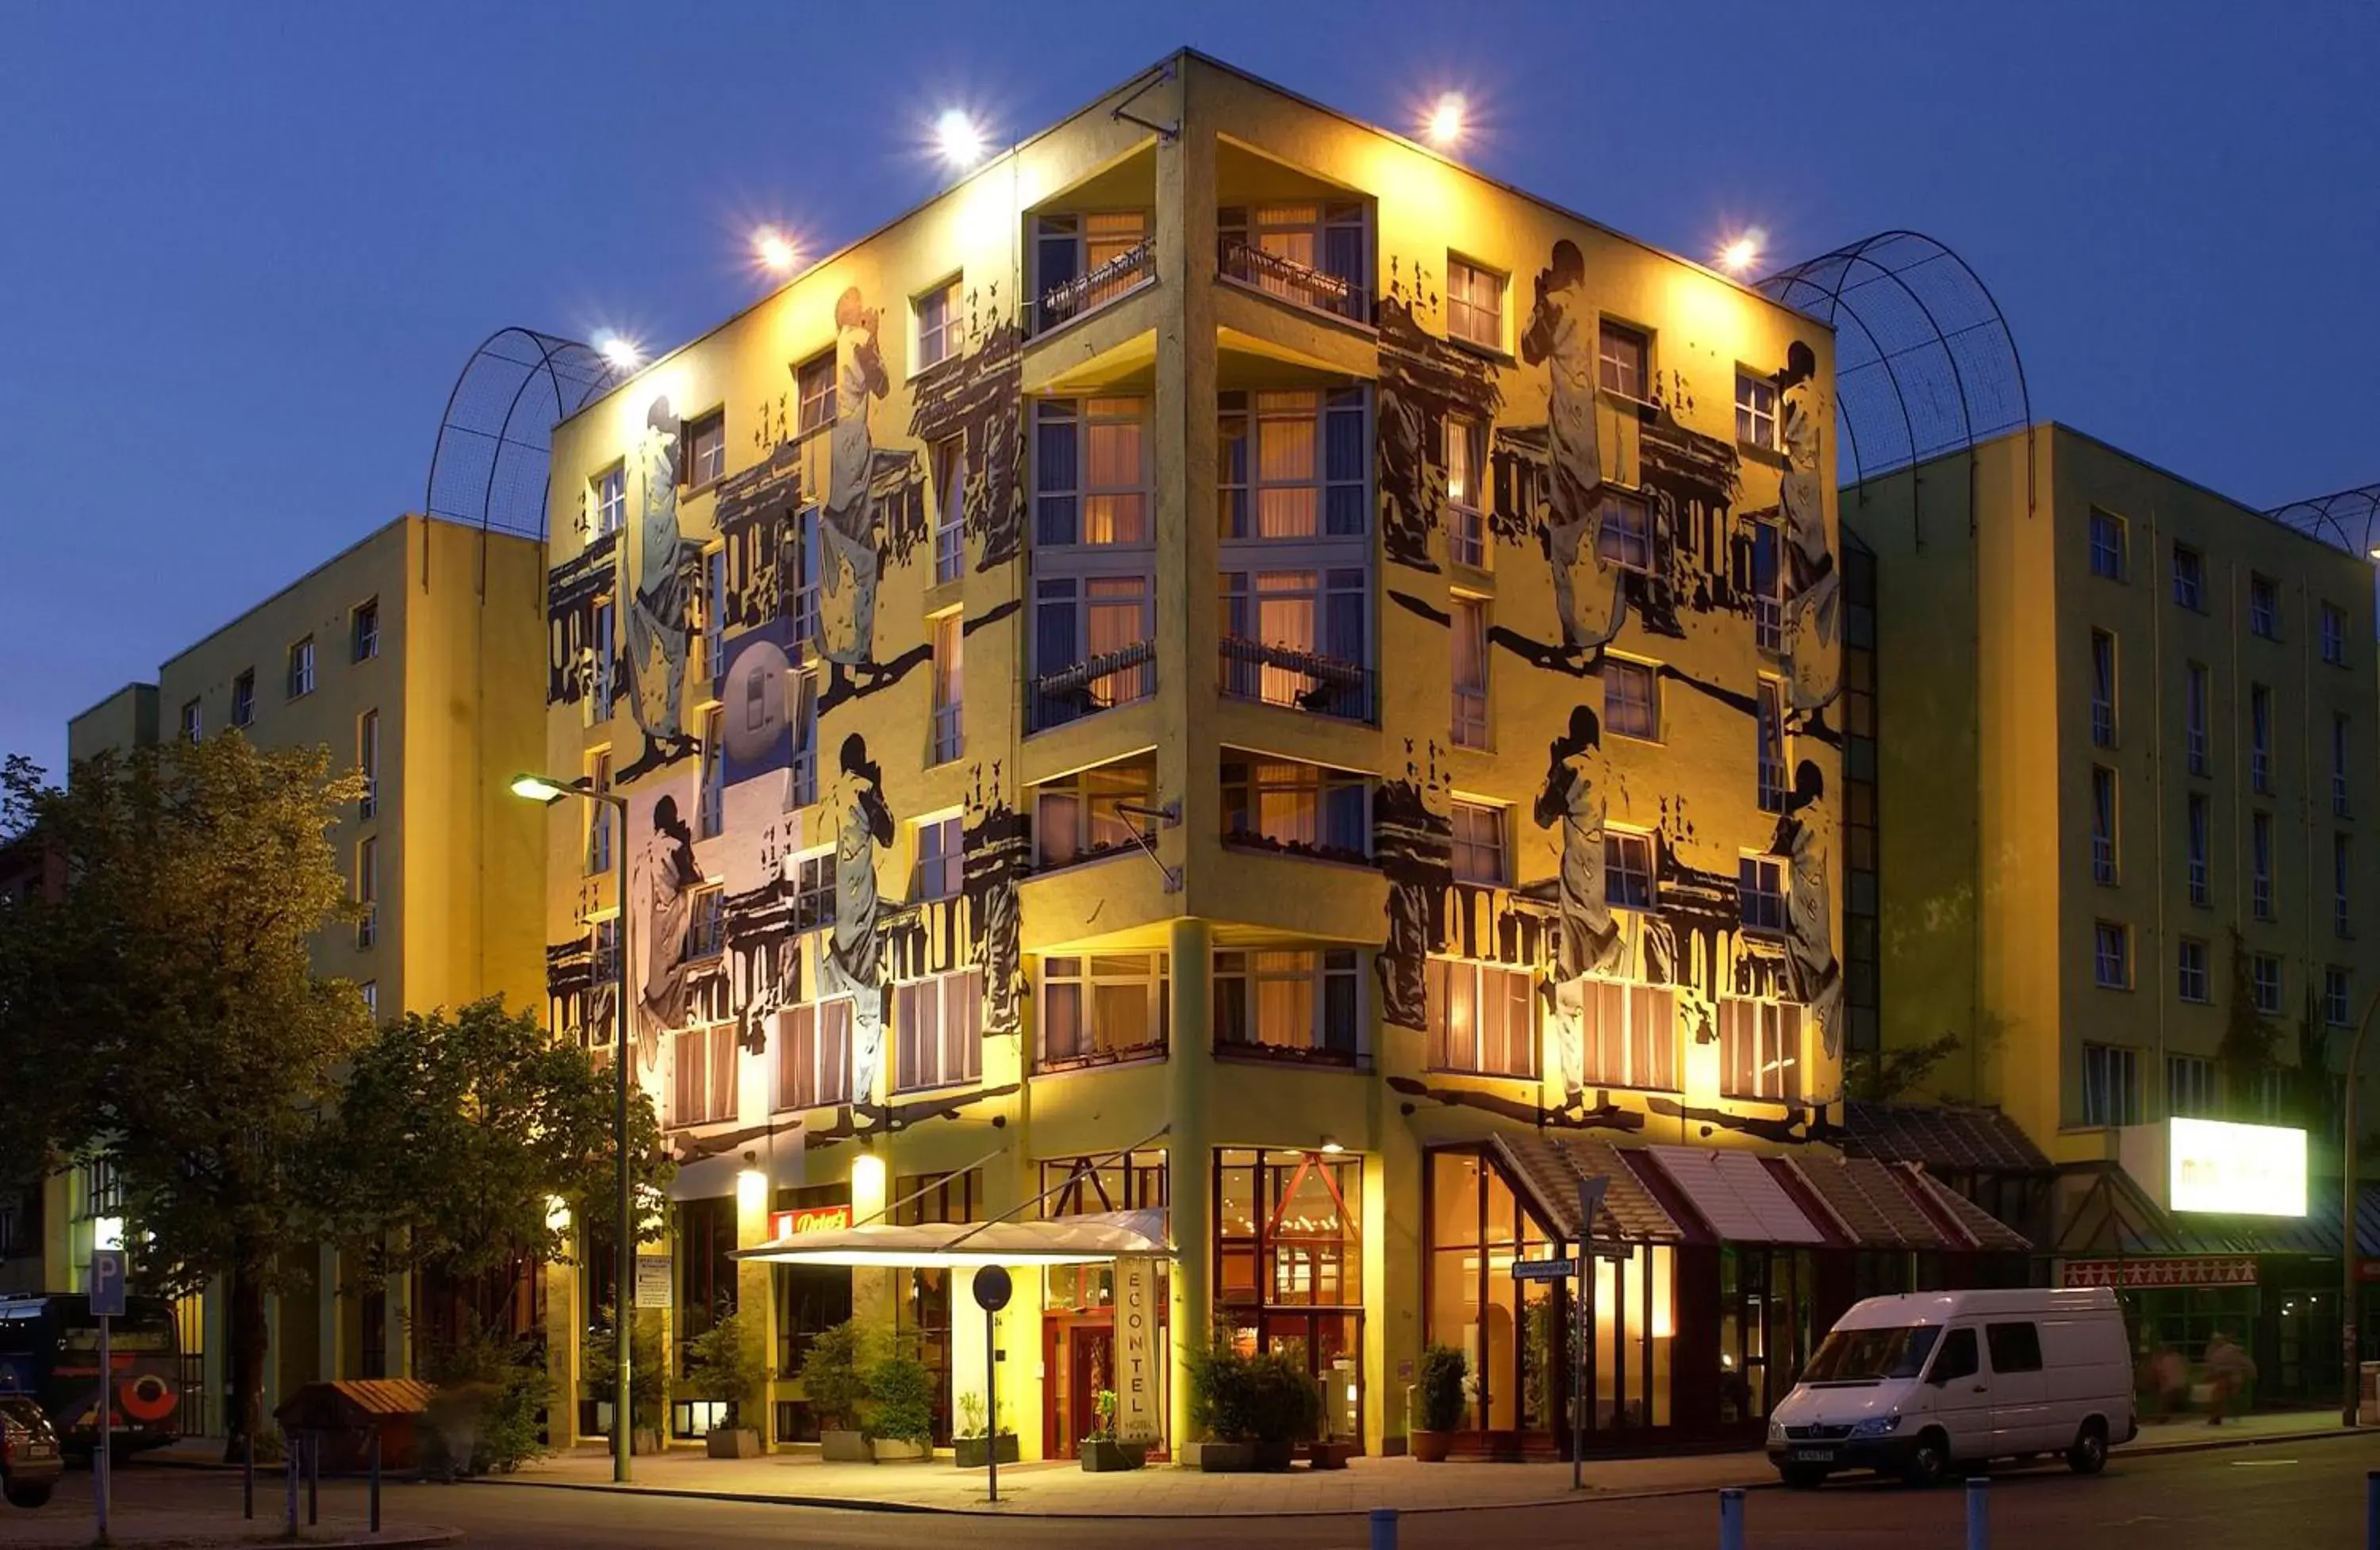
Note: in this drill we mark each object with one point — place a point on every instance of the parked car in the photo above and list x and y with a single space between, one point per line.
30 1461
1920 1382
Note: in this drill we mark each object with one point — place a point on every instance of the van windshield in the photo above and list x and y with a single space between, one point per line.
1871 1355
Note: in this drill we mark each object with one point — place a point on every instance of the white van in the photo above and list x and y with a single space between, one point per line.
1915 1384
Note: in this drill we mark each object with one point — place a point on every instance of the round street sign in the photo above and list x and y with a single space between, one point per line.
991 1289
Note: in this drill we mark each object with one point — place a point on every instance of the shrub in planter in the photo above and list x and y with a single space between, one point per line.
1099 1451
1266 1401
834 1380
1287 1407
648 1376
975 1443
483 1418
723 1367
1443 1370
903 1393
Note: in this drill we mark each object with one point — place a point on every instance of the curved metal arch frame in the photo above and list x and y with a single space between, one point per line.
566 373
2347 519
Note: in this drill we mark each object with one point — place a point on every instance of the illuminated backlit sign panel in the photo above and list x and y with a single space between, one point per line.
2237 1171
816 1218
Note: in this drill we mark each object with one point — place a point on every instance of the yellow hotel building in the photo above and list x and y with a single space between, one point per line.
1230 671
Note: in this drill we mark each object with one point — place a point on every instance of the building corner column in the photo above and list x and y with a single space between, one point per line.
1189 1164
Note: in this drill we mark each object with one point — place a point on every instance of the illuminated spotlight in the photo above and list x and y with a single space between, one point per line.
1740 253
620 350
959 138
1445 125
775 250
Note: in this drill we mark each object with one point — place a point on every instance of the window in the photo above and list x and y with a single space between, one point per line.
2189 1086
1482 1019
2015 1348
243 701
1769 729
1755 410
2259 876
1470 645
1768 587
2265 983
1626 537
2201 818
937 315
1474 303
1957 1357
369 991
1478 842
708 935
705 449
950 689
937 1027
1093 643
1620 360
363 631
1294 464
710 803
2196 696
1297 999
1760 894
368 762
606 952
941 860
2260 737
813 890
814 393
2341 870
1760 1050
1312 254
1627 869
2338 765
193 728
2112 955
2189 578
1091 472
2265 607
2106 545
1632 705
1630 1035
1296 807
1106 1006
715 613
1467 542
609 498
1081 816
950 509
2189 970
703 1079
1297 638
2103 688
607 655
368 890
2334 1009
1082 262
2334 636
2111 1085
599 816
301 668
814 1055
2103 825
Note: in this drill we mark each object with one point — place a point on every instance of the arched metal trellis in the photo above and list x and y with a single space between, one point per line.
2347 519
1925 361
495 439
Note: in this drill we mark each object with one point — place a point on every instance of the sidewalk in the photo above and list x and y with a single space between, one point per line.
1063 1490
192 1528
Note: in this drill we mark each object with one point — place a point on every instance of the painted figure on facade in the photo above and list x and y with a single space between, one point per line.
1587 940
1416 849
662 879
848 529
1801 840
1813 634
863 823
1560 336
998 853
659 608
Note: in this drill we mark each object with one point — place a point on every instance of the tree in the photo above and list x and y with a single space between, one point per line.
2250 1038
170 1003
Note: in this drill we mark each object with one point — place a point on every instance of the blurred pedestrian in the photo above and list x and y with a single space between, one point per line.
2228 1371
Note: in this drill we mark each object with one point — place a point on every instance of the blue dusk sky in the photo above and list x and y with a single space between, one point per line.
247 248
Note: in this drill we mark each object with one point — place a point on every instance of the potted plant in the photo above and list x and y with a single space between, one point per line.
1286 1409
1443 1372
1220 1409
724 1368
834 1382
903 1393
977 1443
1100 1451
648 1376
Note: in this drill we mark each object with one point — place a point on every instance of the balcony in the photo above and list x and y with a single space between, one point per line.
1109 280
1098 682
1294 283
1256 670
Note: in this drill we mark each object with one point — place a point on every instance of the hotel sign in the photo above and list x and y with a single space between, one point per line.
816 1218
2207 1166
1137 1292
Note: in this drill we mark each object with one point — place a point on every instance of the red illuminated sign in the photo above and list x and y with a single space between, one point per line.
815 1218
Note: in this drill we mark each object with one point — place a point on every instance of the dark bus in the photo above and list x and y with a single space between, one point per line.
49 1349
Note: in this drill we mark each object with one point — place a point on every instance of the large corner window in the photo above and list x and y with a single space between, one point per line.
1094 559
1288 1264
1296 1002
1302 809
1101 1007
1093 813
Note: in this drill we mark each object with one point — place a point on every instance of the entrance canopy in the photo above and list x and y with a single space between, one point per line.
1086 1240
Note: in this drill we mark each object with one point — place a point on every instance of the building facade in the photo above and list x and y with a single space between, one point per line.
2125 775
413 654
1227 666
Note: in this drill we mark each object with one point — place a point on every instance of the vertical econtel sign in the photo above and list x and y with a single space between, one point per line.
1136 1416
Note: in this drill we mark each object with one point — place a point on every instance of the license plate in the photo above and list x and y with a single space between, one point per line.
42 1450
1814 1456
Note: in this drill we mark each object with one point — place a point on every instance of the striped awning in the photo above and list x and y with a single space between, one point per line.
1548 1169
1736 1195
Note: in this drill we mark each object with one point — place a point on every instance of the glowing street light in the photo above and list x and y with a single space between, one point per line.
1740 253
1445 125
775 250
959 137
620 350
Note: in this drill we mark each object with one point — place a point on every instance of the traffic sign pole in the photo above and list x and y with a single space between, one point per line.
106 1299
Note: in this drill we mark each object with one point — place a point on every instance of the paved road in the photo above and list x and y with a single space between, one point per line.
2295 1496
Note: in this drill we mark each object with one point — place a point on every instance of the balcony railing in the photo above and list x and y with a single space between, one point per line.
1085 293
1293 282
1301 680
1096 683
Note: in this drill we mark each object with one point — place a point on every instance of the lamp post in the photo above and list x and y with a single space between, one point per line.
2349 1260
538 788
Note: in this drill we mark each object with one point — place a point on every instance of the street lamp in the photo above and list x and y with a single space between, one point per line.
539 788
2347 1256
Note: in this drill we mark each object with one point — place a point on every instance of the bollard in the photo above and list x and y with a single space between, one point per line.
2372 1510
375 1480
290 1485
1979 1513
1731 1519
1384 1527
246 1476
313 1479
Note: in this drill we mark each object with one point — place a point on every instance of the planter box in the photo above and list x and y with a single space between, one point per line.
975 1453
1275 1455
1330 1455
846 1447
1099 1456
644 1439
1219 1457
1430 1446
732 1442
891 1450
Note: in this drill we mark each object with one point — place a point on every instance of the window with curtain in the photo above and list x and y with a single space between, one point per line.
1294 464
1295 1000
814 1054
1483 1018
1478 850
1103 1006
1296 807
1629 1035
703 1075
937 1030
949 731
1467 541
1297 638
1092 472
1760 1050
1079 816
1470 646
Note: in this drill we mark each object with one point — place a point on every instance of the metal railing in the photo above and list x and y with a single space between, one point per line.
1096 683
1294 281
1085 293
1301 680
